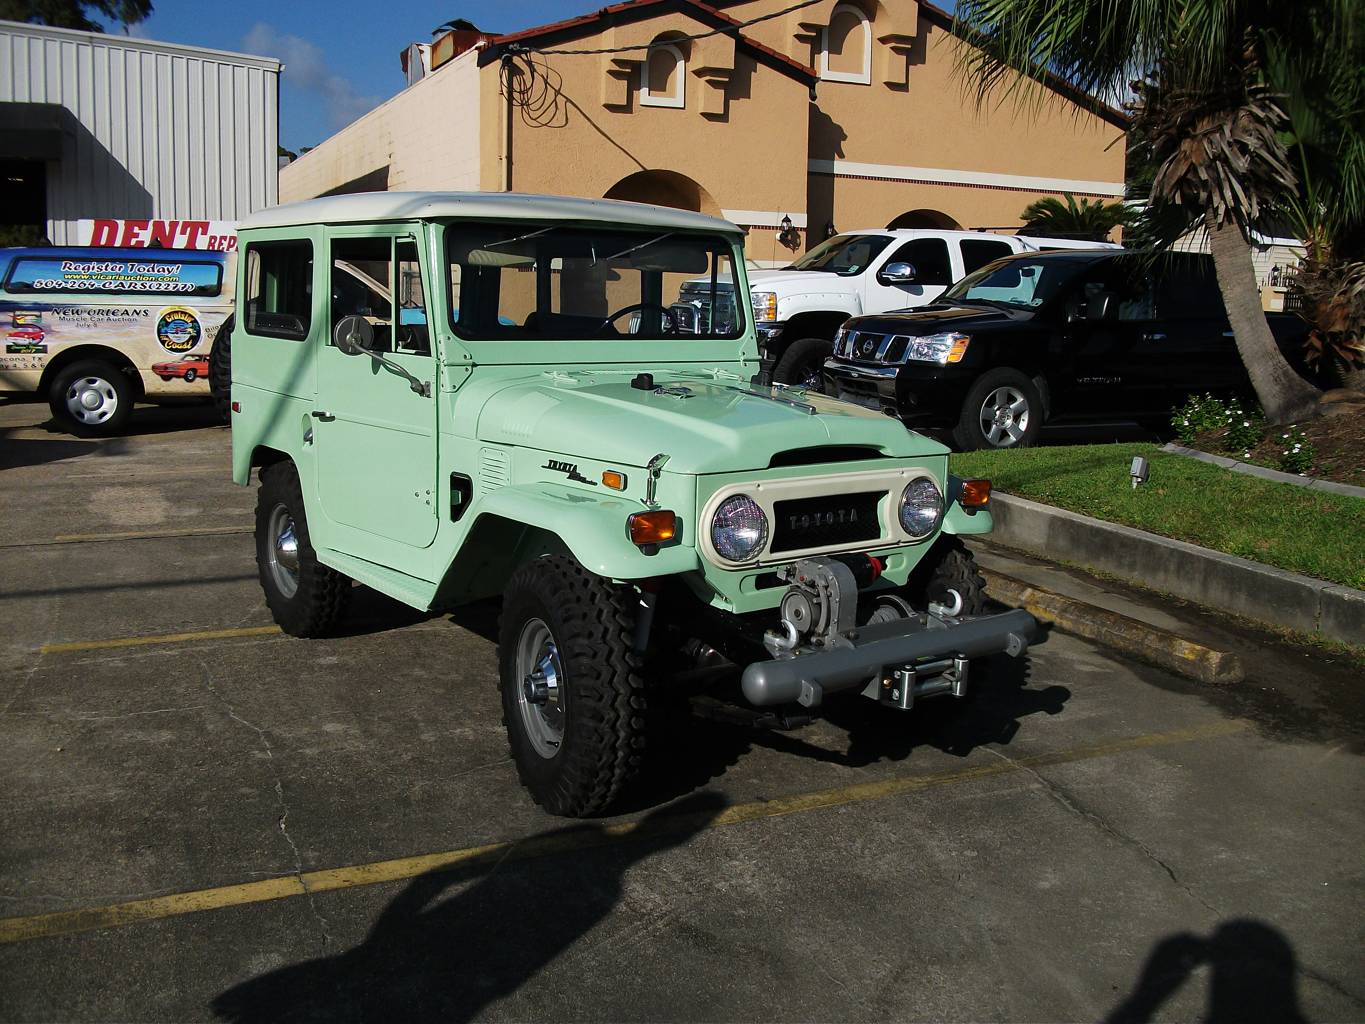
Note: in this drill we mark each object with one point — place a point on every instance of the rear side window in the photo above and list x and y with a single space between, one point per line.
1188 290
929 257
279 289
976 254
112 276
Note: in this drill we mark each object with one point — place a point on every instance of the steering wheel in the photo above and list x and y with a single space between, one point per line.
640 307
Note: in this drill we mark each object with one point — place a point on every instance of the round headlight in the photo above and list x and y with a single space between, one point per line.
739 528
921 507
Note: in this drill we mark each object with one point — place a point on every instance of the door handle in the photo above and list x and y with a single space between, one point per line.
1154 336
325 417
1229 334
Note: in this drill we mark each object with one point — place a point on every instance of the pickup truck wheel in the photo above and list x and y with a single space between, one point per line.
305 597
803 364
572 695
1003 409
91 397
220 369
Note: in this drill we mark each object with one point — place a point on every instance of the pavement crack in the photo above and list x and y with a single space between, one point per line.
282 822
1062 797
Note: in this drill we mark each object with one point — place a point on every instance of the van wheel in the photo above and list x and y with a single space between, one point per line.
305 597
92 397
572 695
803 364
220 369
1003 409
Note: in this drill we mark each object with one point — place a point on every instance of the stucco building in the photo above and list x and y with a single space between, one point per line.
842 114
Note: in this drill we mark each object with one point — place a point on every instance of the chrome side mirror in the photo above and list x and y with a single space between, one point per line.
898 273
353 336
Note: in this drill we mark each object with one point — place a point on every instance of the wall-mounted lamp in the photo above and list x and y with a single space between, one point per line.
788 235
831 230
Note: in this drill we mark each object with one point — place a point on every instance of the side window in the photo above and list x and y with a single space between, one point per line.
1189 291
976 254
414 332
380 279
929 257
1128 287
279 287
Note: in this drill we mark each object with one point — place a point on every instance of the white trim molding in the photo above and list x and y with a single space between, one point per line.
863 77
762 218
678 97
949 176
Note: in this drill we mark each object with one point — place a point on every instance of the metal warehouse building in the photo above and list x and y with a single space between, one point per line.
102 126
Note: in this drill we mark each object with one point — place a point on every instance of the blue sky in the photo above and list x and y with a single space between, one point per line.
341 57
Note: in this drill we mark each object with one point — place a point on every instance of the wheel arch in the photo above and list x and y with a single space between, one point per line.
105 353
815 323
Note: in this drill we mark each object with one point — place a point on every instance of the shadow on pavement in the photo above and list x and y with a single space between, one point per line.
438 957
17 452
1252 976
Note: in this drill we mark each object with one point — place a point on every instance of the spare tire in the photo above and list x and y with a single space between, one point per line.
220 369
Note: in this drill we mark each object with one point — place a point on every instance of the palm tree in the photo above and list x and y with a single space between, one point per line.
1086 220
1205 108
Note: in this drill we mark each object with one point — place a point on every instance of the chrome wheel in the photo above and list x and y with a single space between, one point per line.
282 544
1004 417
91 400
540 698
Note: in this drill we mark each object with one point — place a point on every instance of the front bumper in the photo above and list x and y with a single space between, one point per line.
919 394
893 661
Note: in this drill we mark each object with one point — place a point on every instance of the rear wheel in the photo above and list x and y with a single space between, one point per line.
92 397
305 597
1003 409
572 694
220 369
803 364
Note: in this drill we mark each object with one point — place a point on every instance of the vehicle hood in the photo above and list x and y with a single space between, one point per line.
717 427
787 282
933 319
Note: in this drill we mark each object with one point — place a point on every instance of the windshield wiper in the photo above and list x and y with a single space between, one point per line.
637 248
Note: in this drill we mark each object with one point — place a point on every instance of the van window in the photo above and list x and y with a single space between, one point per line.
976 253
929 257
103 275
279 289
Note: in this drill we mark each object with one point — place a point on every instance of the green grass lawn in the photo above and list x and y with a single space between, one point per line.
1305 531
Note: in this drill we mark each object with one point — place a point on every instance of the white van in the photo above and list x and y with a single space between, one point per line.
98 329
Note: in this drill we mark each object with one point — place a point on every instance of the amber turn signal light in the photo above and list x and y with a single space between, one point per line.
651 528
614 480
975 493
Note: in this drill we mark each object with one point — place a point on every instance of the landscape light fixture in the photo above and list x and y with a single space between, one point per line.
1138 471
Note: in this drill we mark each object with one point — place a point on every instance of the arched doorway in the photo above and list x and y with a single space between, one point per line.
925 219
664 188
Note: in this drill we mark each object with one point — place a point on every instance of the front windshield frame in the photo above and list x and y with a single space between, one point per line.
533 247
1064 272
828 252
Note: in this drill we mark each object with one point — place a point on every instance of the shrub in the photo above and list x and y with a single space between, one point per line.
1297 453
1199 415
1245 429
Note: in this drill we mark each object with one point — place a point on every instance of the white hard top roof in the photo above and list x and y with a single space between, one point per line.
367 207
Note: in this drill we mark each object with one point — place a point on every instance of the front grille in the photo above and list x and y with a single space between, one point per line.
803 523
872 347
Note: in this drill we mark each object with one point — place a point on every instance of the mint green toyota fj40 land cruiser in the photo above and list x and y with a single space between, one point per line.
451 397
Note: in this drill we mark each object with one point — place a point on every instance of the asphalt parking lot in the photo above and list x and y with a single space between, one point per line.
206 820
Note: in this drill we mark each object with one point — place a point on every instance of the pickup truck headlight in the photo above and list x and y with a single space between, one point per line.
739 528
921 507
943 349
764 306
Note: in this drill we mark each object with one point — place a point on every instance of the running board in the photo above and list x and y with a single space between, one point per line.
408 590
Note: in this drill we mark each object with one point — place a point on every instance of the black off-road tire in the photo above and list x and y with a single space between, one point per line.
323 595
220 369
947 567
803 363
592 623
968 434
125 394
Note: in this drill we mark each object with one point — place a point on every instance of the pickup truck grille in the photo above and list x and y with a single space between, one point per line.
872 347
802 523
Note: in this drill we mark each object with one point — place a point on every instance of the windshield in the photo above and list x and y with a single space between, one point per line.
847 255
531 281
1014 283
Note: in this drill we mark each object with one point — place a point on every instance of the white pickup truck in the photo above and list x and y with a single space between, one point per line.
797 309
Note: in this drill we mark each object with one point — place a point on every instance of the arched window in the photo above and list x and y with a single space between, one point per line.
662 76
846 46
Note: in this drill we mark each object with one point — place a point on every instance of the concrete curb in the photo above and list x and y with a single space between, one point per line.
1311 483
1223 582
1158 646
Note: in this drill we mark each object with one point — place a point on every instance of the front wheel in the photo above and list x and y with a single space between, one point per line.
948 576
305 597
803 364
572 695
92 397
1003 409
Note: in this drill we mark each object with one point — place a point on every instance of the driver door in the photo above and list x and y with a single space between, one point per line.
376 435
933 274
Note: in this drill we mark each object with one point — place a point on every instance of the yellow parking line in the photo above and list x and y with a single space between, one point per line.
70 922
164 638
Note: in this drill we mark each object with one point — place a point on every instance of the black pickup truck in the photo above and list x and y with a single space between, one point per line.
1041 337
